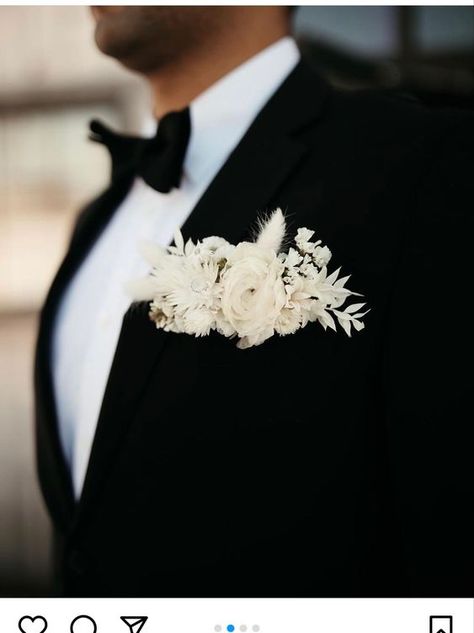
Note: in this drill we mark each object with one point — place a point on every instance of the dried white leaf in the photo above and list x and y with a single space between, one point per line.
354 307
342 281
189 248
179 241
329 321
333 276
346 326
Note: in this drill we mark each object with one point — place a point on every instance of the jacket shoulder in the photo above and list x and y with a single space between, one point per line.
380 116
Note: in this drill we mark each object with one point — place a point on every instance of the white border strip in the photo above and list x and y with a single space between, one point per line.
440 3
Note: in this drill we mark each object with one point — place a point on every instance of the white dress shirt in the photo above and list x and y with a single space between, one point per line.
89 318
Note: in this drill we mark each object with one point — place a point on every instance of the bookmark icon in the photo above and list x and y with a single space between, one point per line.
135 623
441 624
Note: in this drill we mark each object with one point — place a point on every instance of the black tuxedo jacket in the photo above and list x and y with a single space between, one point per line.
314 464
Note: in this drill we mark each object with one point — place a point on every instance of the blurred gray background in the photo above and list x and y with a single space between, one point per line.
52 81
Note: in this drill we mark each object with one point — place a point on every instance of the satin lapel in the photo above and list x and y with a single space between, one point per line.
257 168
58 492
265 157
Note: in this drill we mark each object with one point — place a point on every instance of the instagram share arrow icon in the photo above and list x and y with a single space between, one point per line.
134 623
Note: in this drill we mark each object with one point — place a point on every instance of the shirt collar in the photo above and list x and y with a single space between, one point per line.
221 115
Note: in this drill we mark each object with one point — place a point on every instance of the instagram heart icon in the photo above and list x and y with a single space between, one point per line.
28 624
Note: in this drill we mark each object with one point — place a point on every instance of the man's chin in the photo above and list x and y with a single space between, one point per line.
100 12
123 33
112 36
109 25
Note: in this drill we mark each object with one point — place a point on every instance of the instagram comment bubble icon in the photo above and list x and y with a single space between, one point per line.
36 624
83 624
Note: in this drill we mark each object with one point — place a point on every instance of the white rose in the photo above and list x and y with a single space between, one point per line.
253 292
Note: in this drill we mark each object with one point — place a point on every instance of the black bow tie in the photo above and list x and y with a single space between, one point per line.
158 160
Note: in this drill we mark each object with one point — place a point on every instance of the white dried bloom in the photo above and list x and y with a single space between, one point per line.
321 256
292 259
303 235
288 321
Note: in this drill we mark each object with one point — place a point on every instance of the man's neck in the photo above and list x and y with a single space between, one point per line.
176 86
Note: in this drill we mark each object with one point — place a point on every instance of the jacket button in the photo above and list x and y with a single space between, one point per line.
77 562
